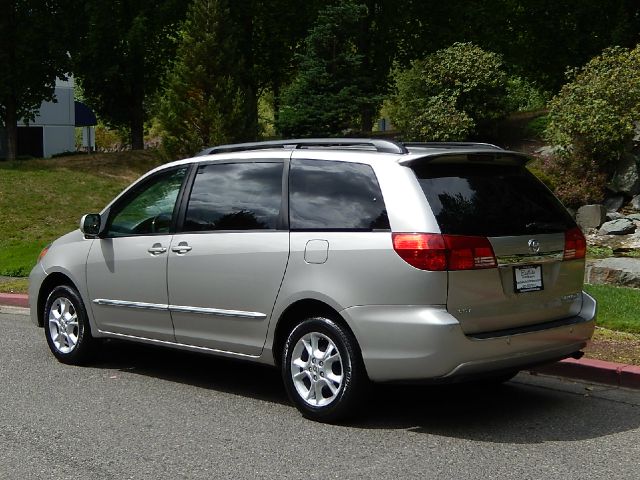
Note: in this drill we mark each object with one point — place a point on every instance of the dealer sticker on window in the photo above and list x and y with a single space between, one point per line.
528 278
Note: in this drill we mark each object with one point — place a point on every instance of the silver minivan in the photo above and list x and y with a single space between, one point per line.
340 261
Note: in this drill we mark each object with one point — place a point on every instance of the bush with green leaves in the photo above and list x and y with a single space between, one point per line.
593 115
449 95
591 121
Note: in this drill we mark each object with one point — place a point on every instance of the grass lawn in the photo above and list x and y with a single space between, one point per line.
618 307
43 199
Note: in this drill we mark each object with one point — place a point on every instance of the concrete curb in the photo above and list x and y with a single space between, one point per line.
590 370
597 371
14 299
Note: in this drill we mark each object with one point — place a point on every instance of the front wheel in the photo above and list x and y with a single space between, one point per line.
66 326
322 370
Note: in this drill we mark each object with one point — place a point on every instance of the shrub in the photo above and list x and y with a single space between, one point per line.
450 94
593 115
524 96
575 180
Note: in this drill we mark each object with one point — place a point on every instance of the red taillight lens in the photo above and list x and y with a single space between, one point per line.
436 252
425 251
469 253
575 245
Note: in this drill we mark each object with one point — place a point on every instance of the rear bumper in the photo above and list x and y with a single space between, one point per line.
413 343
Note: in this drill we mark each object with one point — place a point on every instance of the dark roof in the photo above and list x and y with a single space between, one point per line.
84 115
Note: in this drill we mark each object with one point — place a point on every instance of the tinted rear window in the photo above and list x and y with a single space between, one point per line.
490 200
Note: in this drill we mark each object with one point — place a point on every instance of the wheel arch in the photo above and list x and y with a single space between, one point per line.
298 311
49 283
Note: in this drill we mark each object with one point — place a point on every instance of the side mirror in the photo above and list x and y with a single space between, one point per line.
90 225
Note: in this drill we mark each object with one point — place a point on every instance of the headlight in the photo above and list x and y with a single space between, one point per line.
43 252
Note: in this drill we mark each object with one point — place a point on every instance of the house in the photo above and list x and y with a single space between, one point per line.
54 129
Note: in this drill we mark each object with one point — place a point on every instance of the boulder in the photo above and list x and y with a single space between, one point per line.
635 202
590 216
622 226
614 216
613 204
617 271
626 179
634 216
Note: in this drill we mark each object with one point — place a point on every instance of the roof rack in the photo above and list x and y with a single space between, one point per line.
451 145
378 145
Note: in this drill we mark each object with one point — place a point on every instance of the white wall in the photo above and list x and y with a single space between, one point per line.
58 120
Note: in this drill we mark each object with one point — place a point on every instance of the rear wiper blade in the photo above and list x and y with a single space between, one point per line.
551 227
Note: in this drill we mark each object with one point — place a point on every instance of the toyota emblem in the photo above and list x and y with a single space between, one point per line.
534 246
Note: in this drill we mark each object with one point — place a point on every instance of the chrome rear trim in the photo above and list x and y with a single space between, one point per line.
523 259
181 309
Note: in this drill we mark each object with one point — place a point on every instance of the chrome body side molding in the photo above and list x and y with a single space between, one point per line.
182 309
182 346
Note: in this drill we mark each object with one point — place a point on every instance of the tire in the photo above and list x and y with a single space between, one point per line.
66 326
326 386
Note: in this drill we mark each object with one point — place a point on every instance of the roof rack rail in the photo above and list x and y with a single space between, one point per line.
451 145
379 145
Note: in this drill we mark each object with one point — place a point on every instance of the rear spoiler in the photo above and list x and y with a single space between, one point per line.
476 155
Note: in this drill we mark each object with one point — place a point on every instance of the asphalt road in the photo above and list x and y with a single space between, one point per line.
142 412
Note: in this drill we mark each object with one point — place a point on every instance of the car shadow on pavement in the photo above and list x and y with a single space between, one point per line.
520 411
525 410
204 371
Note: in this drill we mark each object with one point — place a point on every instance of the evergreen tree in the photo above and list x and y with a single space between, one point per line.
327 95
204 102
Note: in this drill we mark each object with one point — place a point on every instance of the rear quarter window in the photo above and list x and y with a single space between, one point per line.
331 195
490 200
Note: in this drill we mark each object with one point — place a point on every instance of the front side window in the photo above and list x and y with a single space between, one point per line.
235 196
330 195
151 207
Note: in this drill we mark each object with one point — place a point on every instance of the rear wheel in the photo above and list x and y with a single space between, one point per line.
66 326
322 370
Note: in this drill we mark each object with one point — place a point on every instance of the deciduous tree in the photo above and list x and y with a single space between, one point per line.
35 43
125 48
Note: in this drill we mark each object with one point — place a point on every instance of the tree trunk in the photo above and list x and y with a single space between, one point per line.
137 125
11 127
366 119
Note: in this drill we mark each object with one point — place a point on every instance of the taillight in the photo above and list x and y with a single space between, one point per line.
575 245
437 252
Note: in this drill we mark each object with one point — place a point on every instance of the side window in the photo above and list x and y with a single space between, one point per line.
328 195
150 209
235 196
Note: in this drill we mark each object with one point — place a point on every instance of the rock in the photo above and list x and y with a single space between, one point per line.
634 216
613 204
590 216
626 179
618 271
622 226
614 216
548 150
635 202
617 243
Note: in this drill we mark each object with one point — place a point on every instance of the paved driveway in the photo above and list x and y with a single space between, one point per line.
152 413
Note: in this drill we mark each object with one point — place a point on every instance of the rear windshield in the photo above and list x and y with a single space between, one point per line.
490 200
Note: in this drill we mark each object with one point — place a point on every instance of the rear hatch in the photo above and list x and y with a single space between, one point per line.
536 273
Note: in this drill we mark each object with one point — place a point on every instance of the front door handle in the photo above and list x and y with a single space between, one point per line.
181 248
157 249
